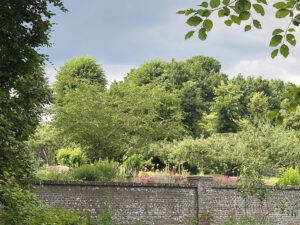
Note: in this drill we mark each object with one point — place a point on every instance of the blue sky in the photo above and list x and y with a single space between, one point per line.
122 34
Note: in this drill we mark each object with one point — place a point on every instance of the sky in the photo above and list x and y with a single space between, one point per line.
123 34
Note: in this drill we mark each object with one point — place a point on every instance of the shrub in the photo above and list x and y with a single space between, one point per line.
53 175
72 157
101 171
290 177
22 207
131 165
105 218
133 161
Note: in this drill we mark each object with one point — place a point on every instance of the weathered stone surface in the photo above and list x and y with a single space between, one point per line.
130 202
166 204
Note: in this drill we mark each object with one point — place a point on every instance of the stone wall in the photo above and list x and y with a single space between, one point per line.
224 201
130 202
166 204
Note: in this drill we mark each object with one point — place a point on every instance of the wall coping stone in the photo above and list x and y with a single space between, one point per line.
283 188
112 184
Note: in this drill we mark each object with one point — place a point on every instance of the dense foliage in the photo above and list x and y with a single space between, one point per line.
183 113
22 207
82 68
25 27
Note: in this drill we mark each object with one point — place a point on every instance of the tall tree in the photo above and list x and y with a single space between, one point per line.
194 80
227 107
124 119
147 72
25 28
78 68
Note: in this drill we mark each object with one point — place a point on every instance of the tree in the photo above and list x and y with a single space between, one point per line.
124 119
44 144
258 106
194 80
78 68
227 107
240 11
147 72
25 27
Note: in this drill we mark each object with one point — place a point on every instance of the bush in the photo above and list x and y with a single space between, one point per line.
290 177
72 157
53 175
101 171
22 207
131 165
105 218
51 216
133 161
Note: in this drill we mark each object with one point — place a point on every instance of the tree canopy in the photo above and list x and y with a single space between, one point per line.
25 27
78 68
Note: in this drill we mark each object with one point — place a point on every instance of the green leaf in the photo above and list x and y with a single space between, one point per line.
206 13
247 6
214 3
189 11
262 1
228 22
279 5
194 21
257 24
181 12
247 28
290 4
202 34
291 39
227 11
221 13
277 31
240 5
244 15
235 19
281 13
189 34
259 9
226 2
291 30
296 22
284 50
274 53
207 24
204 4
298 7
276 40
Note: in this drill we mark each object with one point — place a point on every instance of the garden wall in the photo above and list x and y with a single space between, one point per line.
166 204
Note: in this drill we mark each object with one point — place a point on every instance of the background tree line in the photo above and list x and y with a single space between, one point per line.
162 110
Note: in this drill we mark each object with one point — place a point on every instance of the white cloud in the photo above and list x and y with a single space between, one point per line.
50 74
284 69
141 30
116 72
